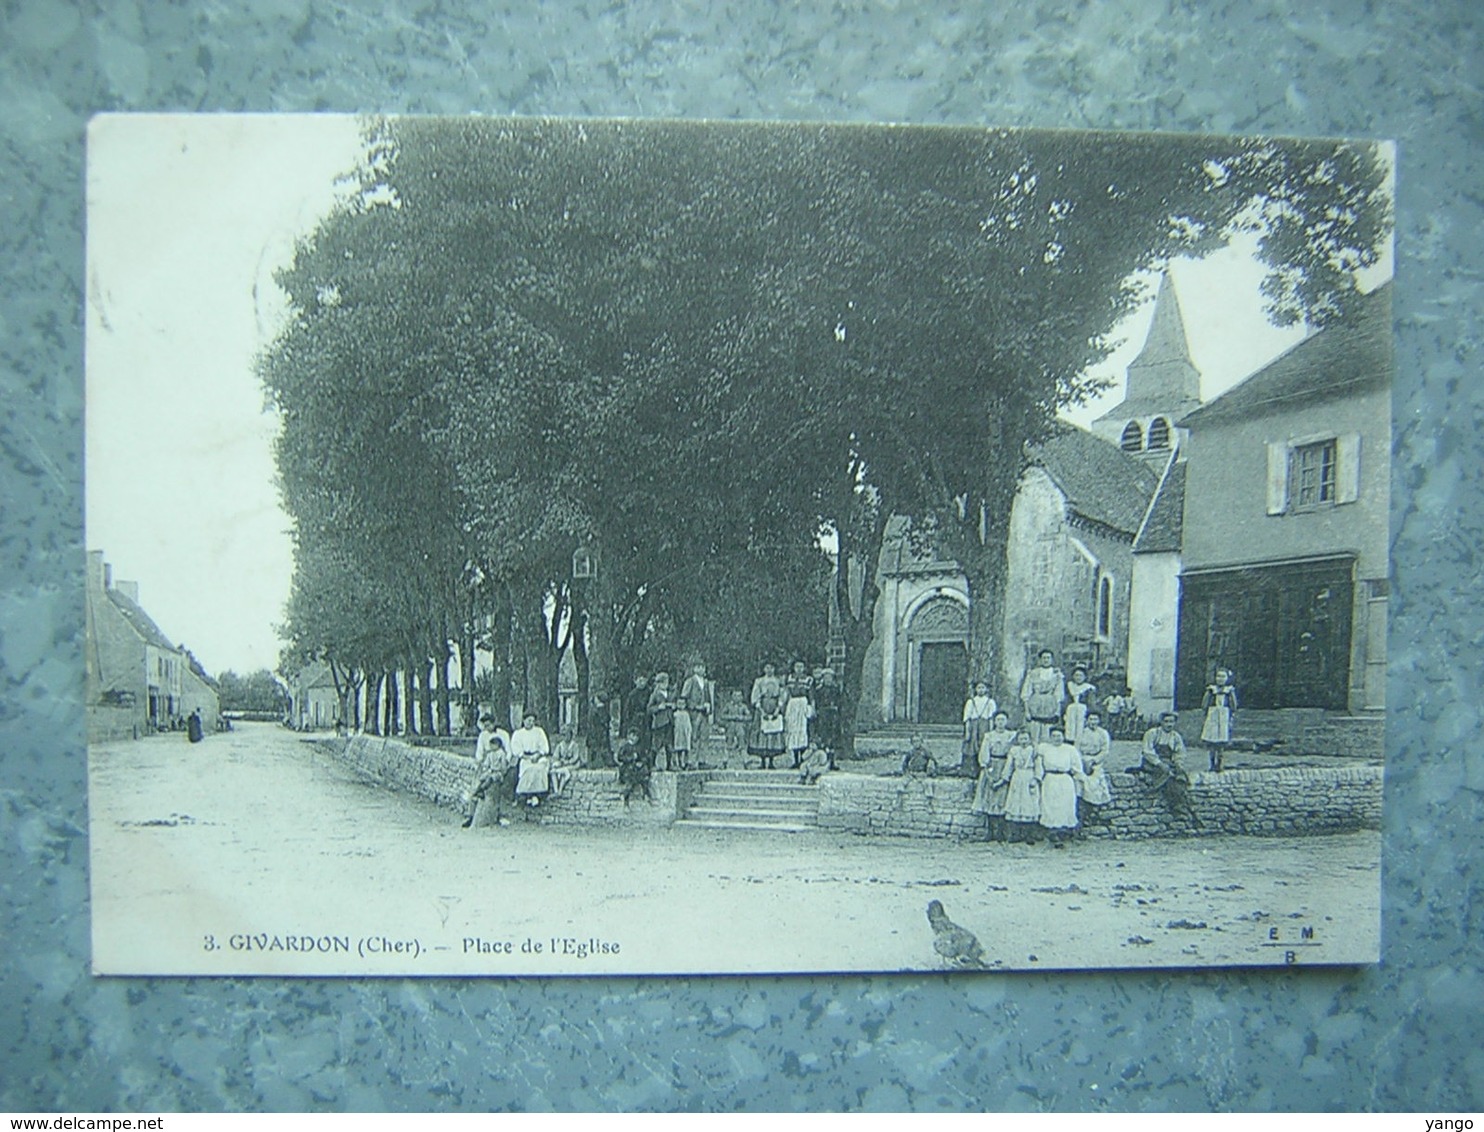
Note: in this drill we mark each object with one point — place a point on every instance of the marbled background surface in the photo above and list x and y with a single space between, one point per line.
1405 1035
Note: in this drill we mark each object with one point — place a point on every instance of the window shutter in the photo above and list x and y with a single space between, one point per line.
1277 477
1347 470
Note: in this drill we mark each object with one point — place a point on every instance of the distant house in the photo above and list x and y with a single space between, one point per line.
137 680
1284 564
199 692
314 702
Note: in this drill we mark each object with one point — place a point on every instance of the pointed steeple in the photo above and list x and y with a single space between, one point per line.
1163 378
1163 385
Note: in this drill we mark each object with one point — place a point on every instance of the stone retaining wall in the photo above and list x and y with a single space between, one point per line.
109 724
437 776
442 777
1266 803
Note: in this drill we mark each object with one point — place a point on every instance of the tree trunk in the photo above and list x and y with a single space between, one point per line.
357 679
425 697
444 657
409 700
393 704
859 626
466 676
537 668
500 643
373 703
979 542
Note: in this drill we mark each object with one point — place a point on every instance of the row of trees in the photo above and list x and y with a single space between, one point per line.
259 692
707 356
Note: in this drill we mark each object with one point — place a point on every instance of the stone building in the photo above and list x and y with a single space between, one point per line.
314 702
1284 558
137 680
199 692
1072 527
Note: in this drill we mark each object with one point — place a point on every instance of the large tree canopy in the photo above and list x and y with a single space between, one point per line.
698 349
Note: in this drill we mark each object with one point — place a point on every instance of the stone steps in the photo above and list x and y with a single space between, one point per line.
766 827
771 801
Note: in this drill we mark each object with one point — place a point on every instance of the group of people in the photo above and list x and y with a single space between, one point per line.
784 716
1050 699
670 721
1051 773
521 769
792 714
1027 786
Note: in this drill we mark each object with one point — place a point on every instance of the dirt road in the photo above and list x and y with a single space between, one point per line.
253 853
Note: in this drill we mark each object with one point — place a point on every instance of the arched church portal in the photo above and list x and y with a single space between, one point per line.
938 655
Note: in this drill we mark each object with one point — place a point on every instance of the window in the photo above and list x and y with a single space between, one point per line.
1133 437
1159 435
1313 473
1105 608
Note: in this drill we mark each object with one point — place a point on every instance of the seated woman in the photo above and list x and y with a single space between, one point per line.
532 752
566 757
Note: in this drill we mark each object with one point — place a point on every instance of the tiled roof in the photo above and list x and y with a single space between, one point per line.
139 621
1164 524
1347 357
1101 482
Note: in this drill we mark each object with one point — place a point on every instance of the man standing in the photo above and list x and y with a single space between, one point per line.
699 695
636 710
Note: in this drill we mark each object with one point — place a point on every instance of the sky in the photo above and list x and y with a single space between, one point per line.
189 216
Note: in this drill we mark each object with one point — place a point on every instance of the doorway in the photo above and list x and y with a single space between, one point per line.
942 680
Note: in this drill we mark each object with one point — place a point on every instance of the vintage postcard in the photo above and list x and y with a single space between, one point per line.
565 547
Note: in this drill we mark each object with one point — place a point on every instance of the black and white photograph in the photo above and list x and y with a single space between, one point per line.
560 546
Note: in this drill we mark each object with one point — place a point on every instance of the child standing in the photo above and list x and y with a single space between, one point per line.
1080 696
1220 702
994 779
1093 745
1023 793
979 710
683 733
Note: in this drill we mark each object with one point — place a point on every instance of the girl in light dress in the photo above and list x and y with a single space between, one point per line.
1042 694
766 738
1093 745
979 709
798 710
994 780
1220 702
1058 767
1023 788
1080 697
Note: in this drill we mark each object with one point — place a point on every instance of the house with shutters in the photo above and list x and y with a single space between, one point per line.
1283 571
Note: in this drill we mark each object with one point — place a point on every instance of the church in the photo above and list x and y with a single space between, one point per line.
1084 500
1175 537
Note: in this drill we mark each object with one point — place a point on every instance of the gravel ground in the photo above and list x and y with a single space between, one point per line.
252 853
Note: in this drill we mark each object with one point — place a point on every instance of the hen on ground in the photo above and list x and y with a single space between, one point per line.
958 947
